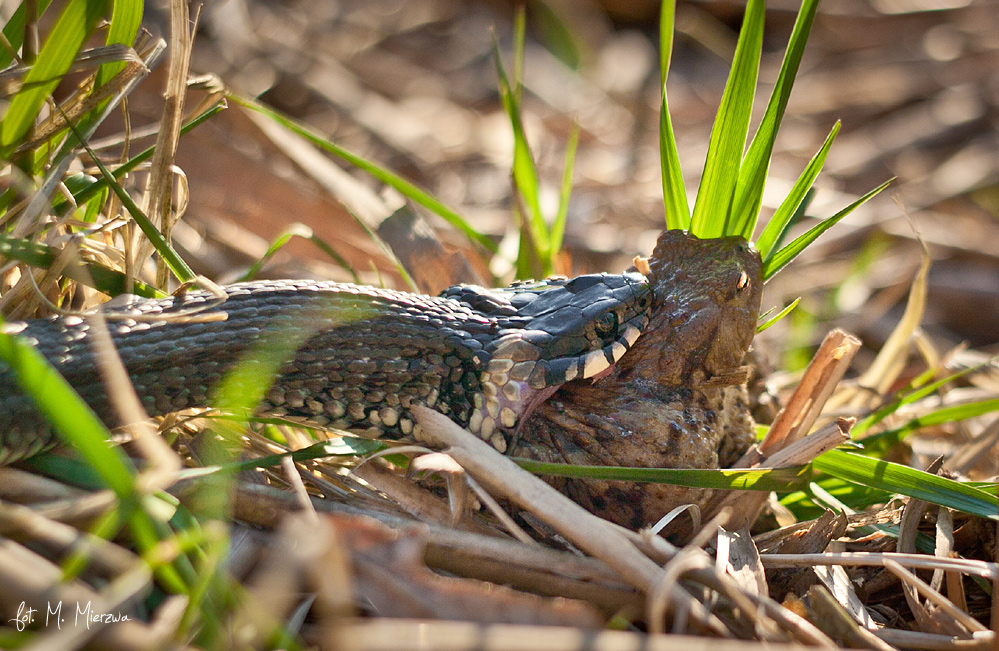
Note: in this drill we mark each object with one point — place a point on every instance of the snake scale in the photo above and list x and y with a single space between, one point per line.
486 358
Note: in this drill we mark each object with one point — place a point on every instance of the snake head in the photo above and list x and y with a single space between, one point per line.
561 330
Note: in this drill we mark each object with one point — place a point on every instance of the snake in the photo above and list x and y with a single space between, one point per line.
360 356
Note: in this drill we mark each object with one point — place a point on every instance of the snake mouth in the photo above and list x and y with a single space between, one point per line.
513 386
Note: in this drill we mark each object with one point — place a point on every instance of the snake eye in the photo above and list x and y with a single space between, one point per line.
743 282
605 323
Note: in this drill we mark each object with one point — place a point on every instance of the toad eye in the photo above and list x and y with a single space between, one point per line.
743 282
605 323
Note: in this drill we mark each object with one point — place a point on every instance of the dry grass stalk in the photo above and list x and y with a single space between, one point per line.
423 504
24 487
23 524
158 197
936 642
839 623
749 602
35 582
968 566
164 462
505 479
394 634
890 360
80 511
919 586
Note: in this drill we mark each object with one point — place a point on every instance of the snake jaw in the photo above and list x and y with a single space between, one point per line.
517 378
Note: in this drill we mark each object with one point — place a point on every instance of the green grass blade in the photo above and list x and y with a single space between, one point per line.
92 209
519 39
525 171
780 315
558 226
785 212
560 38
753 172
675 204
13 31
895 478
406 188
728 135
779 479
74 26
780 259
883 440
321 450
864 424
667 15
109 281
303 231
674 192
126 19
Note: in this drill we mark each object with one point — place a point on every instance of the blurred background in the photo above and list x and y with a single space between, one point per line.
412 85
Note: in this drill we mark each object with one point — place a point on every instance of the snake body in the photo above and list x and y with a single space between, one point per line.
358 357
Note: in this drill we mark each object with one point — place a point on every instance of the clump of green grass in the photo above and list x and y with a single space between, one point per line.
730 194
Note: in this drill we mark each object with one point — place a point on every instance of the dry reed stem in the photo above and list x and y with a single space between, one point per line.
592 534
159 190
494 507
817 384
